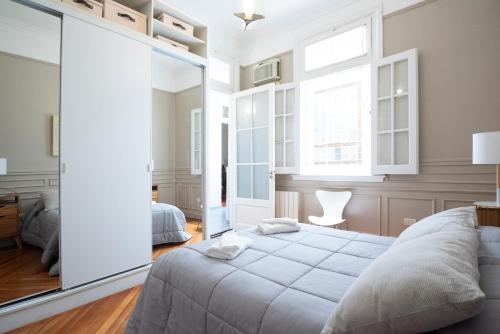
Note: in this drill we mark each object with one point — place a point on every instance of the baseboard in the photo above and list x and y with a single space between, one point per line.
24 313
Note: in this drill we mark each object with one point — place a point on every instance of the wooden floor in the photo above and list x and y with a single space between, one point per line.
107 315
22 273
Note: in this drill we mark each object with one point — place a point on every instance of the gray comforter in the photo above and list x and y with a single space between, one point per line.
41 228
169 224
284 283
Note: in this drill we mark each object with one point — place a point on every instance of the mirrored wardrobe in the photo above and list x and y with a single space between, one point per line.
29 151
177 104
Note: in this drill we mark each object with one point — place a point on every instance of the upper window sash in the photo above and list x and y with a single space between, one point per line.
362 59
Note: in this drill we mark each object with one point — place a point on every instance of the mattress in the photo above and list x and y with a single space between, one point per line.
169 224
284 283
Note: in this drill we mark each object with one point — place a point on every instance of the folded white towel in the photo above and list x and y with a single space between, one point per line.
267 228
282 220
228 246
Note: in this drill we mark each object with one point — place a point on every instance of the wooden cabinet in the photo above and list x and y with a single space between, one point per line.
488 213
9 218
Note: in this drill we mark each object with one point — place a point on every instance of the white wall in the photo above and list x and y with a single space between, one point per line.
269 43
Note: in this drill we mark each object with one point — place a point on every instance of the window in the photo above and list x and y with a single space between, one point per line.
337 129
196 142
336 49
220 71
359 114
335 102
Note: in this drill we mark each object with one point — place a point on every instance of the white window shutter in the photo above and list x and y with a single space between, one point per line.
196 149
286 120
395 114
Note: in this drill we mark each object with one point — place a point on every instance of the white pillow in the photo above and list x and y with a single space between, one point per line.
442 221
50 199
419 286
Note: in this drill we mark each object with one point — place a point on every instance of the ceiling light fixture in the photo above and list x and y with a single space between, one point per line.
247 12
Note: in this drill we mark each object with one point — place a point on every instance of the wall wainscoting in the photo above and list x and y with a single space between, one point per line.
180 188
29 185
380 208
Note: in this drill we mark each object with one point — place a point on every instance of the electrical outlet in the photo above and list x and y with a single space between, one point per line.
409 221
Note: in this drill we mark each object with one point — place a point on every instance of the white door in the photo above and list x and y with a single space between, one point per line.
251 157
105 153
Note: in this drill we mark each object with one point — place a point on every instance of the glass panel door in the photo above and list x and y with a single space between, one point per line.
251 159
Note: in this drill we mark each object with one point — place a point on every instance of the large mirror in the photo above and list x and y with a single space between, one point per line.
29 151
177 116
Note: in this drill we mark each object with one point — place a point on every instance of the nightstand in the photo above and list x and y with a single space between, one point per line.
488 213
9 218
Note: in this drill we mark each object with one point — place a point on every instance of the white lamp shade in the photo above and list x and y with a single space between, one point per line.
3 166
486 148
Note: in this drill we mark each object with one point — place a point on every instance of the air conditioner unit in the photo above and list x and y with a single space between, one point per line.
267 71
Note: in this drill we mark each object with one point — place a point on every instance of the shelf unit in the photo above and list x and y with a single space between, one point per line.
153 8
197 43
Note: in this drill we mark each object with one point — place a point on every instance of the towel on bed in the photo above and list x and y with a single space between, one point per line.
278 225
281 220
228 246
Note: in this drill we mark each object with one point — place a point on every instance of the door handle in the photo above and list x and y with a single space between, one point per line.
127 16
271 174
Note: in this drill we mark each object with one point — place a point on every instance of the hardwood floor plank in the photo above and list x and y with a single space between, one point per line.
108 315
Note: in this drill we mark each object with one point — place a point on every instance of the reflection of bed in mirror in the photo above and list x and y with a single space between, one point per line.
40 228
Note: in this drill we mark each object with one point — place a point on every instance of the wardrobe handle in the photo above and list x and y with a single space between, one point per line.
125 15
178 25
85 3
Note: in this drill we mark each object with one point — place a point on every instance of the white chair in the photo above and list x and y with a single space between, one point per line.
333 204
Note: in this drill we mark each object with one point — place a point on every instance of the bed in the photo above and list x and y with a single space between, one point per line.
284 283
40 228
290 283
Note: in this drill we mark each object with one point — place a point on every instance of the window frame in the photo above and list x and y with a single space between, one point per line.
369 58
366 58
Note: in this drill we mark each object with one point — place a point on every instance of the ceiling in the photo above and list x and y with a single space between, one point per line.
280 14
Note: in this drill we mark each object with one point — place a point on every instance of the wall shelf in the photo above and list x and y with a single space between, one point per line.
164 30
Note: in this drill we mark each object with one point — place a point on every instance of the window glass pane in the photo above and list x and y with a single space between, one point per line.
244 183
401 77
244 112
401 148
279 102
278 151
260 145
197 141
384 115
261 182
338 122
220 70
197 121
260 109
384 149
338 48
290 128
278 124
384 81
401 112
290 101
197 160
244 149
290 154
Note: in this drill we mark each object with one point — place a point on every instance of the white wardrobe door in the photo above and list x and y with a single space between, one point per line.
105 153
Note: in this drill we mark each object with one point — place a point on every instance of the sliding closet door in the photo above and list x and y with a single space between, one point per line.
105 153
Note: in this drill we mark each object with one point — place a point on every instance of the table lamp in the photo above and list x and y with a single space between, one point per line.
486 151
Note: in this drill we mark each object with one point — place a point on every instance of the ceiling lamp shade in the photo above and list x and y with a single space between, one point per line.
249 11
486 151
